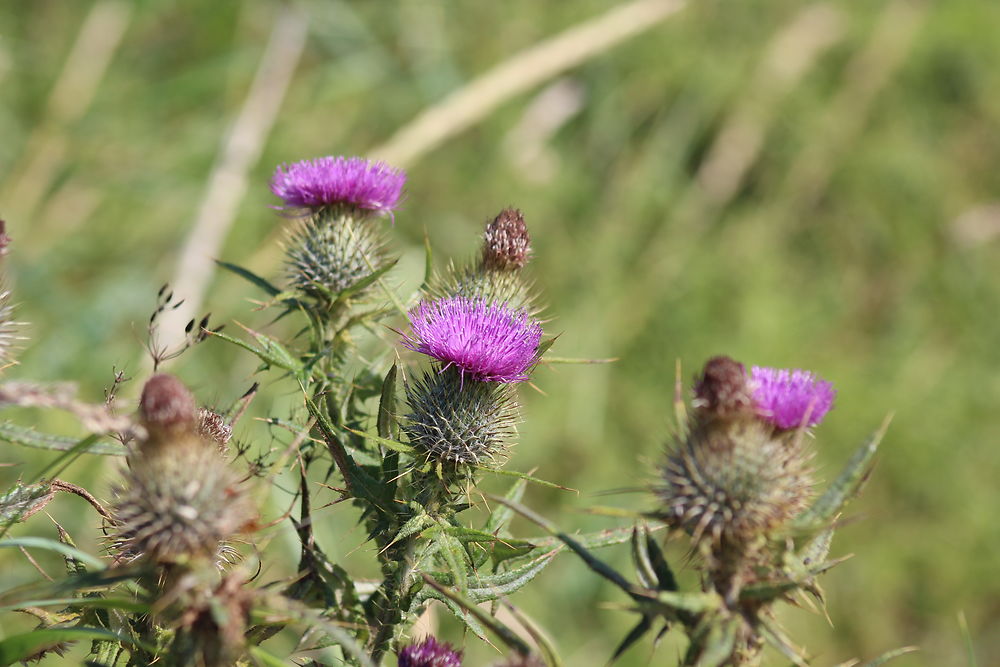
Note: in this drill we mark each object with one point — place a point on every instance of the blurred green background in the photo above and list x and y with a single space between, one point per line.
812 185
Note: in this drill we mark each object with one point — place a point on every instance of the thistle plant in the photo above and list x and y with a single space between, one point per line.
403 428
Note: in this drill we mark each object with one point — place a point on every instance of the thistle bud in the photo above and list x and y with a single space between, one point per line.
506 242
336 244
496 277
430 653
166 405
460 421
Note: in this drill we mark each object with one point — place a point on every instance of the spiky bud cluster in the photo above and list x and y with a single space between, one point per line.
430 653
461 421
737 474
336 244
178 499
496 275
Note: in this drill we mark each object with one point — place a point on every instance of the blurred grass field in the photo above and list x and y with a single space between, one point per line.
793 184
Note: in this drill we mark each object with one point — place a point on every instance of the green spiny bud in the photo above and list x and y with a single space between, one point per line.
460 420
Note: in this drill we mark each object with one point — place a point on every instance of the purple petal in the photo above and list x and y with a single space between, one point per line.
327 181
491 342
785 397
430 653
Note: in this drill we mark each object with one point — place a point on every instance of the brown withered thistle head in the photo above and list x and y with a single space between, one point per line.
506 242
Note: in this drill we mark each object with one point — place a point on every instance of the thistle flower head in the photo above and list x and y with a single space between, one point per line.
430 653
330 181
790 398
488 341
506 243
460 421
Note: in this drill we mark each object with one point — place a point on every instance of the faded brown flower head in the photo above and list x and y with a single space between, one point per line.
721 390
507 244
213 426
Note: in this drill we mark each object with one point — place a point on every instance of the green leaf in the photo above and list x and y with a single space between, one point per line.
130 605
394 445
719 644
502 548
387 427
271 352
52 545
19 647
526 477
889 655
29 437
265 658
664 573
505 634
502 514
637 633
22 501
845 486
776 638
366 281
695 602
251 277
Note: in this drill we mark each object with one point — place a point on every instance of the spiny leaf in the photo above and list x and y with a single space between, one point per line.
845 486
29 437
22 501
529 478
889 655
52 545
506 635
778 640
19 647
394 445
387 427
502 514
271 352
250 277
645 625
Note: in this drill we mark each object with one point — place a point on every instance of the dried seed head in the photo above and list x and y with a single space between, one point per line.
9 329
507 244
734 481
722 390
331 251
213 426
460 420
430 653
166 405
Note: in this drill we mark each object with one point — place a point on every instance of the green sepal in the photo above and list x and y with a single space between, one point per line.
635 634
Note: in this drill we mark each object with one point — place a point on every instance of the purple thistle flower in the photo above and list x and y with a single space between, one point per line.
489 341
327 181
784 397
430 653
